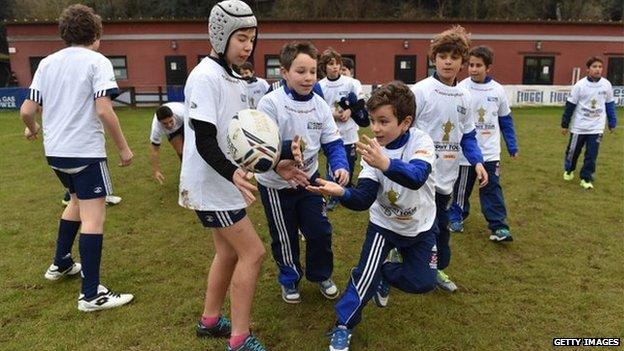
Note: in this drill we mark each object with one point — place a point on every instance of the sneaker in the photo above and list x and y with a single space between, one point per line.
104 299
382 294
112 200
250 344
501 234
444 282
222 329
340 338
291 294
329 289
586 185
456 227
53 273
568 176
332 204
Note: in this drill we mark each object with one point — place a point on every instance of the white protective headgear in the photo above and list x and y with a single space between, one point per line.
227 17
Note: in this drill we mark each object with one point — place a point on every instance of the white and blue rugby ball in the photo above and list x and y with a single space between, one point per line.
254 141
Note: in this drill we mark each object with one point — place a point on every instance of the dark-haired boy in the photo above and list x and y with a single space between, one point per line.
493 116
397 185
256 86
168 121
443 111
74 113
589 105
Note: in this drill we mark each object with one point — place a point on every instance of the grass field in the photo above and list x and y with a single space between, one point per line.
561 277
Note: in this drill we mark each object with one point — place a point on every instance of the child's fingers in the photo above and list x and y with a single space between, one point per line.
321 181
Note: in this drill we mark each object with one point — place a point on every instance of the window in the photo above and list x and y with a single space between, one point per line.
34 64
430 67
272 67
119 67
615 70
538 70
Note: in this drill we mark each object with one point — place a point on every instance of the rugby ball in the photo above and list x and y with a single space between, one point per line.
253 141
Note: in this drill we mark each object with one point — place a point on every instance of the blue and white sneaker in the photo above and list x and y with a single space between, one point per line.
340 338
456 227
290 294
329 289
222 329
501 234
382 294
250 344
104 300
53 273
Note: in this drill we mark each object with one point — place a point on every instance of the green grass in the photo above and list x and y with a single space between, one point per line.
562 277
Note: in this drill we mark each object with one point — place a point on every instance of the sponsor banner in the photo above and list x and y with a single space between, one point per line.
12 98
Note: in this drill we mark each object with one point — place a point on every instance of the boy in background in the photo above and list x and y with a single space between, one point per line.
589 105
491 109
168 121
443 111
256 86
74 114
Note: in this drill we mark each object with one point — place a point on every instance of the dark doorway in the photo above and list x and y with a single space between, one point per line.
405 69
175 68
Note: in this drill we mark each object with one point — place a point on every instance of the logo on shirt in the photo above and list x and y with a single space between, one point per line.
193 105
481 112
461 109
447 128
492 98
393 196
243 97
593 103
315 125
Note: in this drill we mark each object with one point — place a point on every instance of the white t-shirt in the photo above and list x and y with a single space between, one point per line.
402 210
255 91
488 101
211 95
66 85
590 97
333 91
443 112
311 120
159 131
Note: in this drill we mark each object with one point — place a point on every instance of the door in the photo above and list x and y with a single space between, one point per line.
405 69
175 68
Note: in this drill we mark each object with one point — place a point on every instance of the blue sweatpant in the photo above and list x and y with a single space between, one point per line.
287 212
575 145
416 274
490 196
443 236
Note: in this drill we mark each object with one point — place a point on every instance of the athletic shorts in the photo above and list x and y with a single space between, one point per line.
87 182
220 219
179 131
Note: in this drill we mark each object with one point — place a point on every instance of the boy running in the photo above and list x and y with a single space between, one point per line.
397 184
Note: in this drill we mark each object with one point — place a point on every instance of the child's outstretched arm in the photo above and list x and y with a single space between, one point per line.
359 198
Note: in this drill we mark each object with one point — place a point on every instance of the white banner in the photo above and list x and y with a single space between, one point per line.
538 95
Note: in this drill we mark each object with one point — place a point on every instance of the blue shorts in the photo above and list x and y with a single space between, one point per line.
220 219
87 182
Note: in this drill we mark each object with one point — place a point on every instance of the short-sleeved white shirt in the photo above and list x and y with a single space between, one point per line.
311 120
66 85
255 91
159 131
443 112
211 95
590 98
333 91
402 210
488 101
